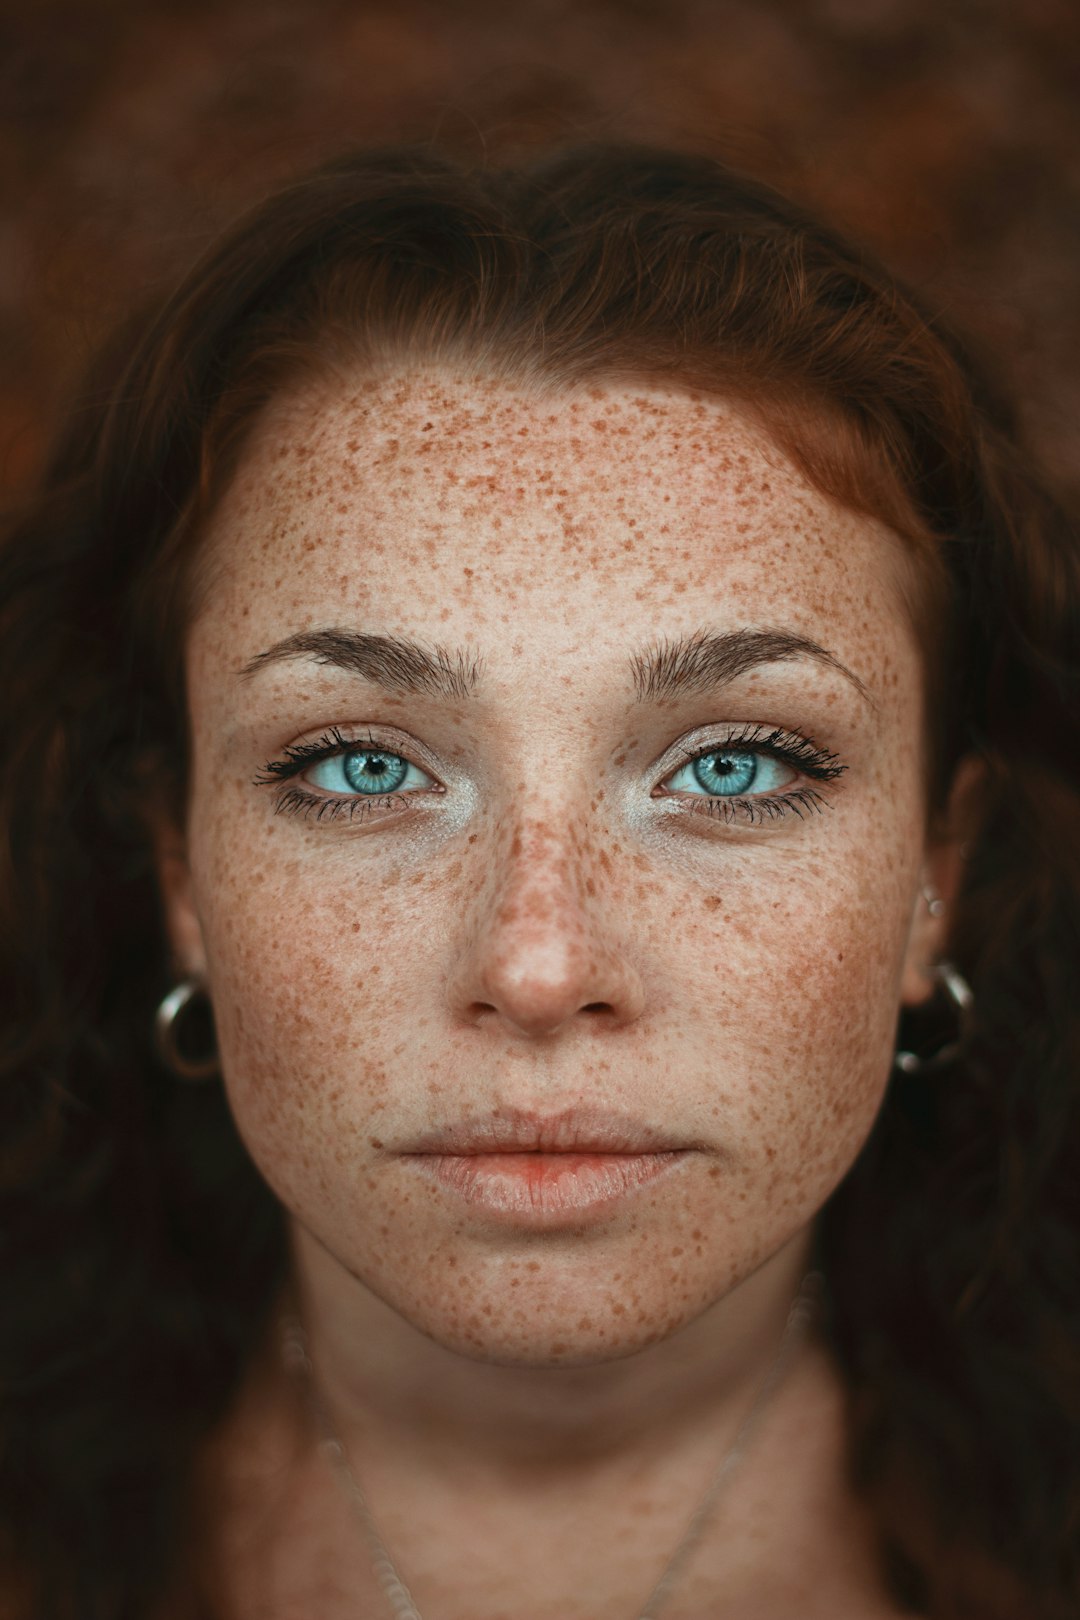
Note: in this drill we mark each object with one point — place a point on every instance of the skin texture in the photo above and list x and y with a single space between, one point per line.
556 926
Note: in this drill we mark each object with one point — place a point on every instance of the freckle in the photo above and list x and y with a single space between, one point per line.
376 1143
712 901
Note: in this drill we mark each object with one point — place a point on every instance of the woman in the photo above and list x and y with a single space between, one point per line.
573 667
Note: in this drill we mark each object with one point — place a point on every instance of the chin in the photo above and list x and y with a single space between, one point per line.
550 1322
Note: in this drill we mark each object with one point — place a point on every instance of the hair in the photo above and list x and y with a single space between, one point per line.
140 1250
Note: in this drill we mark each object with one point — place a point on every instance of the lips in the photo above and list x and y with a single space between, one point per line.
577 1130
544 1189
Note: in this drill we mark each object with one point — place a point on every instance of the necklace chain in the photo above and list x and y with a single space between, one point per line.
297 1362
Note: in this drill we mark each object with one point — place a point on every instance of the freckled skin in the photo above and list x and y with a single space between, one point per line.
548 930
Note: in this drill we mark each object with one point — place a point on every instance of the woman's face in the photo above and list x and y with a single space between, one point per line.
557 908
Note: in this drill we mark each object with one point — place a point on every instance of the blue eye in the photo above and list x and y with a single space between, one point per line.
367 771
734 780
727 771
360 777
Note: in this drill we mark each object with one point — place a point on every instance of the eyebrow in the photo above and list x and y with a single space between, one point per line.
709 659
395 662
697 663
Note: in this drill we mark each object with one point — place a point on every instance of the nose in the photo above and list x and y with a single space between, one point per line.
542 942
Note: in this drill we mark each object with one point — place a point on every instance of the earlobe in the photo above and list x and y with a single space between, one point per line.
181 918
926 940
940 881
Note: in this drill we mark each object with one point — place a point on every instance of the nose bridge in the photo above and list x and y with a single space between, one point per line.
543 942
541 934
539 878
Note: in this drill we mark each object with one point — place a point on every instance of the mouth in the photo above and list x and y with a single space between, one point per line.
528 1169
571 1131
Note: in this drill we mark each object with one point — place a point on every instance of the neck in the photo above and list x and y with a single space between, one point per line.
543 1473
384 1383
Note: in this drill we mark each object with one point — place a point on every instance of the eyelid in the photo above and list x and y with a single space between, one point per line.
794 748
762 754
334 741
797 751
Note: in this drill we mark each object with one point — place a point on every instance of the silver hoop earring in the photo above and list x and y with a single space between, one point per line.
166 1021
963 997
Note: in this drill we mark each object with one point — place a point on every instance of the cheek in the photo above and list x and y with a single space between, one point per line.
322 979
792 993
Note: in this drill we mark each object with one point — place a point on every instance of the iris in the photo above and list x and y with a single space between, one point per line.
722 771
371 771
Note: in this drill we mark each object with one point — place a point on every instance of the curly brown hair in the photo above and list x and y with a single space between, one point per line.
950 1248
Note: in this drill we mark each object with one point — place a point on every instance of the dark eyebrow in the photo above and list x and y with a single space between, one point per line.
707 659
698 663
391 661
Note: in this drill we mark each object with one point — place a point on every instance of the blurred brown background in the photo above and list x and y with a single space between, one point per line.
946 134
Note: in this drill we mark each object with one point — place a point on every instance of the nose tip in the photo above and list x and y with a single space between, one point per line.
545 947
539 991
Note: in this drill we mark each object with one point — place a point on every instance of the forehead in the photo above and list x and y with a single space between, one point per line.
431 497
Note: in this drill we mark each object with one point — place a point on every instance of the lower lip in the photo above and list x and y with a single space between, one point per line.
541 1187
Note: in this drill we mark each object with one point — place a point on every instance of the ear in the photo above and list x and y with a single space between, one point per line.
182 925
941 872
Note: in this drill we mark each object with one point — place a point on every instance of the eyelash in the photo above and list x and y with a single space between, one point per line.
797 752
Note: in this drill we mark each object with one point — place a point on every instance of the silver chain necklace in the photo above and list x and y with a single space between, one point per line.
297 1362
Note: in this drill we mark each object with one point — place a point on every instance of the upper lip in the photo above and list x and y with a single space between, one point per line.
573 1130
